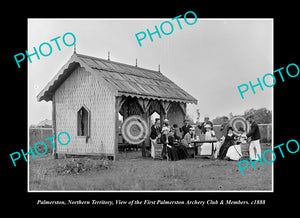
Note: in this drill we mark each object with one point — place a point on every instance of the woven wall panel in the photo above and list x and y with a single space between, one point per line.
175 114
84 88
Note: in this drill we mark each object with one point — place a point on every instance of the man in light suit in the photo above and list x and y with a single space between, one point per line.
254 133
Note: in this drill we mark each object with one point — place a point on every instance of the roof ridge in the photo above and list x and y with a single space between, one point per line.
110 61
134 83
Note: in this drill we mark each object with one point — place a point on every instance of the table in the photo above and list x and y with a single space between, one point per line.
199 143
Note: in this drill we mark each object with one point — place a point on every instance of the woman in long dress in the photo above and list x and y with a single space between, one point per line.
230 149
234 152
206 148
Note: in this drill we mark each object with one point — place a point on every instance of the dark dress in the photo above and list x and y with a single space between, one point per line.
173 151
224 128
163 140
185 129
229 141
155 131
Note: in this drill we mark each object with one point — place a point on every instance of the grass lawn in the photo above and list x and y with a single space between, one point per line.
132 172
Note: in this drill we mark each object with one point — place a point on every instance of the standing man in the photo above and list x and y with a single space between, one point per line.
224 126
254 148
155 130
206 121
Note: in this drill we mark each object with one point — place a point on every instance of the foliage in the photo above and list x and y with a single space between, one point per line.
80 165
261 115
190 119
219 120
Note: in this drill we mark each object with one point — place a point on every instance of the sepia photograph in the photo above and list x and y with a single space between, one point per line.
176 104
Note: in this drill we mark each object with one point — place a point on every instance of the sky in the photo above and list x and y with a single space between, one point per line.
208 59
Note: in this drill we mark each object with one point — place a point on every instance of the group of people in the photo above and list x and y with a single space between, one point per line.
227 147
169 137
230 143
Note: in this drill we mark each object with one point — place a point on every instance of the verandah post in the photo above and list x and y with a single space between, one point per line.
54 153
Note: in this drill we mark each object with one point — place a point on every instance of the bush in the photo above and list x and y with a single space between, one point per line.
80 165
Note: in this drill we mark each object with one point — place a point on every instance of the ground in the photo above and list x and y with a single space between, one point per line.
132 172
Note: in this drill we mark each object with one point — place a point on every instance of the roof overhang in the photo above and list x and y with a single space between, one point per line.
74 62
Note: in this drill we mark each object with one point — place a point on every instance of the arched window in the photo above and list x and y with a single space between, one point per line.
83 123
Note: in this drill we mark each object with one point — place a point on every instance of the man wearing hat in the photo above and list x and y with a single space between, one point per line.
206 121
155 130
254 148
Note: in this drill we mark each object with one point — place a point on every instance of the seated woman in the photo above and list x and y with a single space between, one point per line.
186 146
229 141
206 148
186 141
230 149
172 150
165 140
174 140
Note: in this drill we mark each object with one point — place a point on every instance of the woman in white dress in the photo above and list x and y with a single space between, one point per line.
206 148
231 148
234 152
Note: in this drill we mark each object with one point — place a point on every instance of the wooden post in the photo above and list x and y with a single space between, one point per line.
268 132
42 137
116 150
54 153
144 143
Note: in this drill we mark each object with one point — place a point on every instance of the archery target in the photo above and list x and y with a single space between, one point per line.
134 129
238 123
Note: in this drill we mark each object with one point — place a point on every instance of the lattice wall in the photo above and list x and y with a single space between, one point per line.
84 88
175 114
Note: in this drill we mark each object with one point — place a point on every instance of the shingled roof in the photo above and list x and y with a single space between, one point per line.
126 79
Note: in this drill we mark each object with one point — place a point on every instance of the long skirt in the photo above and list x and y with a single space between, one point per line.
172 153
224 148
182 152
234 152
205 149
217 147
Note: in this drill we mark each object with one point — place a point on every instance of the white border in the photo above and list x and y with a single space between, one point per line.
158 191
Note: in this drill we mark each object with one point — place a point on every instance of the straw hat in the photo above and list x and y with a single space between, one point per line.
165 129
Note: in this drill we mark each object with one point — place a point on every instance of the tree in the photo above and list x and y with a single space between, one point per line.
261 115
219 120
190 119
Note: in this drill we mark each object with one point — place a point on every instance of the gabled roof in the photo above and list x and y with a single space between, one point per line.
45 122
125 79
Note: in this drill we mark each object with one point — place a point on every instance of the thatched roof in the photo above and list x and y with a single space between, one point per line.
126 79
